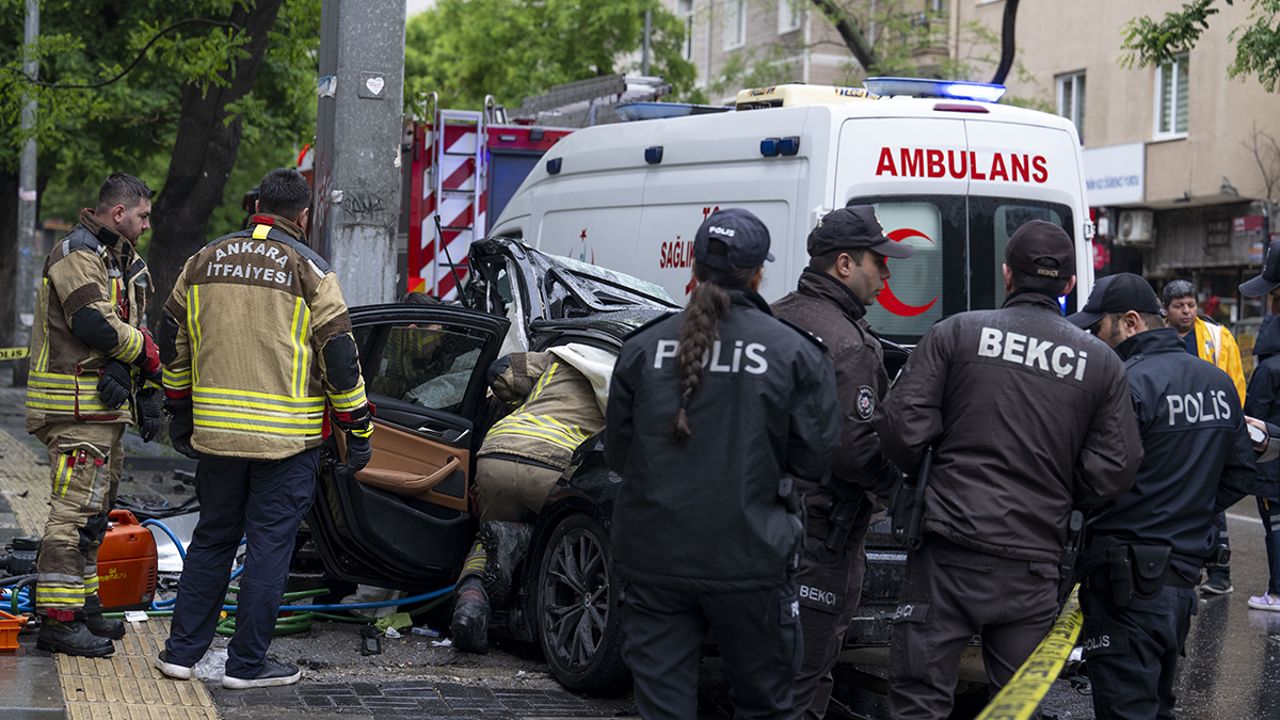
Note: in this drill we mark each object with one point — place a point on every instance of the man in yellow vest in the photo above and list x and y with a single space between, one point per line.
1209 341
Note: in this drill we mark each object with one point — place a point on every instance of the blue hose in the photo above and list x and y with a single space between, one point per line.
182 552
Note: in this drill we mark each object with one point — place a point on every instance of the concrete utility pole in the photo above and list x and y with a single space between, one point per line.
358 135
25 288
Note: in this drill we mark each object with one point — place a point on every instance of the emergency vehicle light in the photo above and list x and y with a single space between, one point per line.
923 87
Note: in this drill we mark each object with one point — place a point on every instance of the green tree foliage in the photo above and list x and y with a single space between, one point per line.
511 49
129 124
1149 41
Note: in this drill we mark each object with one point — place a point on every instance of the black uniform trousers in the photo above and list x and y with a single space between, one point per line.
757 633
829 585
262 501
951 594
1132 653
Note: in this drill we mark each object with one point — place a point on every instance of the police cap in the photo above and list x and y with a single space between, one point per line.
1269 278
854 228
732 239
1041 249
1117 293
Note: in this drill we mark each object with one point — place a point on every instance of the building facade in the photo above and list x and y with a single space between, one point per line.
1181 161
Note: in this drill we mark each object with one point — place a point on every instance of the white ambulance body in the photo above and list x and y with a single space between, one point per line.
952 178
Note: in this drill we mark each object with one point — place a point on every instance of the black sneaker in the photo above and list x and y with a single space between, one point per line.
1217 585
72 638
273 673
173 670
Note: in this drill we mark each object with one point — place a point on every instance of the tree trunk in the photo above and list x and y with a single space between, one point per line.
850 33
203 156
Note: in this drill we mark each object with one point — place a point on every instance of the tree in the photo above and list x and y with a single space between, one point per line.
511 49
162 89
1155 42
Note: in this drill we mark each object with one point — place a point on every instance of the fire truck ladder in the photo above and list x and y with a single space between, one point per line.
459 176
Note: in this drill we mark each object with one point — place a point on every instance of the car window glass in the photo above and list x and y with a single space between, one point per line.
426 365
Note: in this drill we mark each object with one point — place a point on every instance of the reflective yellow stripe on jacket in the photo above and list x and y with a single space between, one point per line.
298 332
63 393
257 412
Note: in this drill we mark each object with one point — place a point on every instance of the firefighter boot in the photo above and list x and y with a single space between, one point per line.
505 544
97 623
65 634
470 627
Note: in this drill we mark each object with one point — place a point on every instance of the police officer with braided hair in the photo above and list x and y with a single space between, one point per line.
1027 418
1143 553
94 366
712 413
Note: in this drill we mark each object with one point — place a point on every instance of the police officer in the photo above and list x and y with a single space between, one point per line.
257 350
90 351
847 270
1144 552
711 413
1027 417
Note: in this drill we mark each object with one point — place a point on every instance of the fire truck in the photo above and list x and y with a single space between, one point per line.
464 167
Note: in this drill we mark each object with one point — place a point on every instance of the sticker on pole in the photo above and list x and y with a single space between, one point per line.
13 353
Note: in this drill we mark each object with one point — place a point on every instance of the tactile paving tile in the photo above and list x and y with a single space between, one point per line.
125 686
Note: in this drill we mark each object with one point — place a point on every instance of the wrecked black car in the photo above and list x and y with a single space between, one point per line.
406 520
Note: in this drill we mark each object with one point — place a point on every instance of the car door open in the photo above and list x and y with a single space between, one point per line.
406 515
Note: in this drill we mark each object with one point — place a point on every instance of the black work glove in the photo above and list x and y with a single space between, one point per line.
181 425
115 385
358 452
150 405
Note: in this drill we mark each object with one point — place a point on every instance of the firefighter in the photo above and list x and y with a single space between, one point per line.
1141 567
1027 417
561 395
847 270
712 413
90 351
257 350
1211 342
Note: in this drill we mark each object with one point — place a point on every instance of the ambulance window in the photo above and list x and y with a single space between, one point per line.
1002 217
912 299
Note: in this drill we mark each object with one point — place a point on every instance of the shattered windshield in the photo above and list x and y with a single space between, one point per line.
613 288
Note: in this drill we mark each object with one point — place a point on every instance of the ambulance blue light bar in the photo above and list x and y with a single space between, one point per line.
923 87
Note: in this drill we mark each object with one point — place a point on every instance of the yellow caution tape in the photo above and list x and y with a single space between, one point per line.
1022 696
13 353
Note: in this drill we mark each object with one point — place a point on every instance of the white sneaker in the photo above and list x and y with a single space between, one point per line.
1265 601
177 672
273 673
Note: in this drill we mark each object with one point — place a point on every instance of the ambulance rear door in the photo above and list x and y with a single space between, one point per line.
900 165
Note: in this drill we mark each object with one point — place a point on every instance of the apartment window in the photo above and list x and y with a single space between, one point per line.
735 24
1071 100
684 10
790 13
1172 98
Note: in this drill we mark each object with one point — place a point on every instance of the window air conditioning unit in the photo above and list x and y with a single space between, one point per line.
1136 227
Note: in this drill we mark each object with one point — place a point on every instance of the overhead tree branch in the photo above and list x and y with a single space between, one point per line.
853 36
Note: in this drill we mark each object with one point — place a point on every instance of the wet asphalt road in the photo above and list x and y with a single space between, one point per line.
1232 667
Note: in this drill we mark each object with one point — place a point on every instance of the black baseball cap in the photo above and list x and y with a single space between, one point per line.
1042 249
853 228
732 239
1117 293
1269 279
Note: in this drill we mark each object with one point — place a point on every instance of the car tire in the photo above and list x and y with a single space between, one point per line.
576 620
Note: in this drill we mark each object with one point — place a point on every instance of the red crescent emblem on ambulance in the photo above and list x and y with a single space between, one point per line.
888 300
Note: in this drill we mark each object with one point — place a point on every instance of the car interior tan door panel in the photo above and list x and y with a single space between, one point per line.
411 466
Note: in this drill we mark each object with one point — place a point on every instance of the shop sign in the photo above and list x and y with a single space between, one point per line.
1247 228
1116 174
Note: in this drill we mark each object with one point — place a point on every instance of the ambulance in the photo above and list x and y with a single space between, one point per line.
949 170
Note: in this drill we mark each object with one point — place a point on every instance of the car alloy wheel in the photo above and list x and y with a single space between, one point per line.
578 628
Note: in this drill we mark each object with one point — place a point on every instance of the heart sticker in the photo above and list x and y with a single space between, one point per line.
375 85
